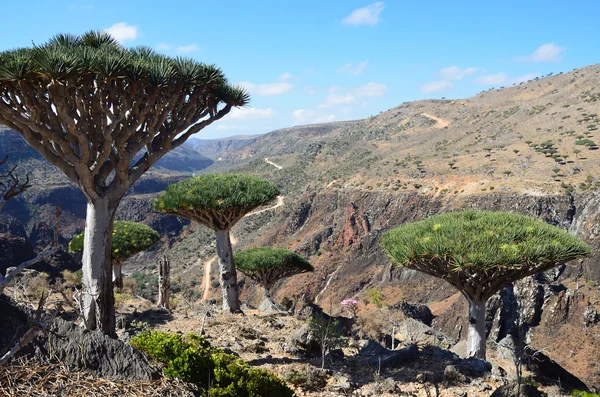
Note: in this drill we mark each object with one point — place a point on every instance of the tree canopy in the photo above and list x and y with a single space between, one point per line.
216 200
129 238
267 265
480 252
100 104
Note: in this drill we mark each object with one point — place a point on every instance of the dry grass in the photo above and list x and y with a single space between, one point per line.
29 378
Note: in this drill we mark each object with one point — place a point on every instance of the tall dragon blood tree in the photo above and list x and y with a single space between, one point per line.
89 106
479 253
218 201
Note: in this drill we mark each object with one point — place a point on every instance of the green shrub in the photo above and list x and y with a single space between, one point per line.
194 360
581 393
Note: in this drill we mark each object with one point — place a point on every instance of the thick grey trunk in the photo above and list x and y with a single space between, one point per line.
98 302
117 276
229 287
164 282
476 335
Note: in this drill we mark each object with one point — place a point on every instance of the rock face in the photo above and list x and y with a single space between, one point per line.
94 351
415 311
544 304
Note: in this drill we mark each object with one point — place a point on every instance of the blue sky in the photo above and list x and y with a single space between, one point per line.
315 61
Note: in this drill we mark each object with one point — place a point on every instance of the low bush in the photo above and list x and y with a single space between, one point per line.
194 360
307 378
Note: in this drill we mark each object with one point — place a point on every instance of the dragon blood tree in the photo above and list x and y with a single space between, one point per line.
218 201
89 106
128 239
479 253
269 265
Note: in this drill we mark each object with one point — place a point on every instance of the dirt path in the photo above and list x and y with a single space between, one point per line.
441 123
327 284
273 164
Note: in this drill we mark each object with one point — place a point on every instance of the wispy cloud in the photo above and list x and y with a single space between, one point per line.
250 114
123 32
286 76
186 49
454 73
369 15
545 53
492 79
268 89
502 78
370 90
353 69
335 99
310 90
436 86
311 116
346 96
182 49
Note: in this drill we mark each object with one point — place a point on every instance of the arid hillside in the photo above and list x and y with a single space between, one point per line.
529 148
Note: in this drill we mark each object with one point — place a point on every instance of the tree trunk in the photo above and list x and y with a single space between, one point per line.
164 282
117 275
231 301
98 301
476 335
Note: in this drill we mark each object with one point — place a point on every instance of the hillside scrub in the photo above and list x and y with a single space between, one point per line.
129 238
218 201
479 253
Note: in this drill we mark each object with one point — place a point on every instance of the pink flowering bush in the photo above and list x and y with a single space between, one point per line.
351 305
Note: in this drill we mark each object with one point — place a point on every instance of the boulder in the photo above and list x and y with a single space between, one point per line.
415 311
473 367
303 340
453 376
94 351
396 358
415 331
511 391
372 348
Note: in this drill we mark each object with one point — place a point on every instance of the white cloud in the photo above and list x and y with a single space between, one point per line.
368 15
286 76
370 90
545 53
492 79
311 116
335 99
163 47
268 89
436 86
186 49
500 79
250 114
453 73
310 90
351 68
526 77
123 32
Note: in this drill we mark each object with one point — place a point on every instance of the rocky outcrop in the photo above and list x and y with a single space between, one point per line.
356 226
94 351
